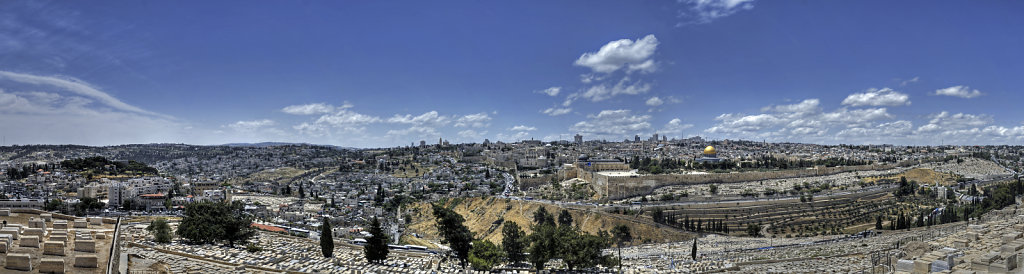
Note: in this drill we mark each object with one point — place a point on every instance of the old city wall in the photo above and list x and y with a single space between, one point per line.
618 187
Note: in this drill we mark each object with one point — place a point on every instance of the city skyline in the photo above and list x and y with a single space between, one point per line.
392 74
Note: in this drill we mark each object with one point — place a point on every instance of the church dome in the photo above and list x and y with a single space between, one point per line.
710 150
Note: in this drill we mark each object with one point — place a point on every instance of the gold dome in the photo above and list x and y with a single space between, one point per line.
709 150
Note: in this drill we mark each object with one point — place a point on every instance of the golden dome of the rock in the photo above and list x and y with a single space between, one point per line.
710 150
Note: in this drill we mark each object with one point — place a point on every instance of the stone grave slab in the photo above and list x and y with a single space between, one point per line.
19 261
85 246
51 265
87 261
53 248
81 223
34 231
29 241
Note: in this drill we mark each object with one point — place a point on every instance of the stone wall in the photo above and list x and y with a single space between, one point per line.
619 187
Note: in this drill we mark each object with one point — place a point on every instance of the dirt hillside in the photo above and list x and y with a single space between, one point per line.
485 217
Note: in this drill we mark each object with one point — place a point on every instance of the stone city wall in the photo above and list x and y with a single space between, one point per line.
619 187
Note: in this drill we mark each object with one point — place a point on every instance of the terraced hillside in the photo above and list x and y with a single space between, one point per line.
485 218
823 215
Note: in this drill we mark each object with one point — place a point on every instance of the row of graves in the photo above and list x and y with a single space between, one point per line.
45 244
994 247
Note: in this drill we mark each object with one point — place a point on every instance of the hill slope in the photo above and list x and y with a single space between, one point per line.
485 217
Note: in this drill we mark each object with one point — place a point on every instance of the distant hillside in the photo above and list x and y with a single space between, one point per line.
101 166
263 144
274 144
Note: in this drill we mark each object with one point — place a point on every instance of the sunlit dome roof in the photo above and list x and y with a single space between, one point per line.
710 150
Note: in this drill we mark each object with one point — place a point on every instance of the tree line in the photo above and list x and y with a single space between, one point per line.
101 165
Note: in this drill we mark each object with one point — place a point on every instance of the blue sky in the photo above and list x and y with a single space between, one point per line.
376 73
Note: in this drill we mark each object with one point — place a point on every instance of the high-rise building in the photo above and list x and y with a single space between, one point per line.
423 143
636 138
578 138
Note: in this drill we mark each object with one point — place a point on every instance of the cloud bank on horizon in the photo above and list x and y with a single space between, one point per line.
698 69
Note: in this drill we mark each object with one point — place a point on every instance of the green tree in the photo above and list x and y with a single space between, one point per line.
376 249
878 222
378 199
512 242
622 235
326 239
238 224
484 255
53 205
564 218
754 230
693 251
542 216
453 232
658 215
544 242
582 250
161 230
210 222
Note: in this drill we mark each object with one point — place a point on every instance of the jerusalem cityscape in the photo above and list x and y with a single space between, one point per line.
678 136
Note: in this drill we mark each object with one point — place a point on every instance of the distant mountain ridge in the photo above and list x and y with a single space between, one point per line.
272 144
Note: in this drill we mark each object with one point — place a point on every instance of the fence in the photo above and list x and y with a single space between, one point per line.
114 261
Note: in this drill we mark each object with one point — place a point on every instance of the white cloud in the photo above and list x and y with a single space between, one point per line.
603 91
75 86
737 123
556 111
881 133
805 106
705 11
800 121
674 127
418 131
910 81
473 136
251 125
347 118
552 91
515 137
654 101
478 120
613 124
49 117
311 109
427 118
522 128
877 97
806 122
645 67
944 121
958 91
634 55
590 77
343 121
850 118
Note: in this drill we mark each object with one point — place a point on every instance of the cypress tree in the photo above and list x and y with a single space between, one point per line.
326 239
376 249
